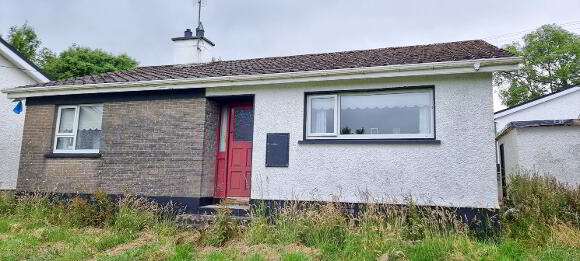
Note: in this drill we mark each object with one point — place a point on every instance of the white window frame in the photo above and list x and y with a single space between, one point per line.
73 135
309 111
337 135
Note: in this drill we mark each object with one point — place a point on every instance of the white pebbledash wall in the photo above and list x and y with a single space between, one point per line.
459 172
551 151
192 51
11 124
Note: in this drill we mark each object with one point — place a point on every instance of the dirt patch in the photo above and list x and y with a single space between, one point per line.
16 227
312 252
46 247
144 238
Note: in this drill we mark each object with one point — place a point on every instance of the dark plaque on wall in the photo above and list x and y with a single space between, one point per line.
277 149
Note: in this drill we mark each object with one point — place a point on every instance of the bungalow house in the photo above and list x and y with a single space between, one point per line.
357 126
541 135
15 70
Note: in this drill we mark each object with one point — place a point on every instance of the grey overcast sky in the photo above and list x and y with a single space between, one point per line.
262 28
252 28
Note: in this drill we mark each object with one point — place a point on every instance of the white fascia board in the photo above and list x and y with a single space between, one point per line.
536 102
22 65
467 66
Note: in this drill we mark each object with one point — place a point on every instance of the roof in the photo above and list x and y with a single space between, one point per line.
534 102
537 123
25 60
440 52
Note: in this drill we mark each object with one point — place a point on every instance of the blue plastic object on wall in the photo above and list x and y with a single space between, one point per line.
18 108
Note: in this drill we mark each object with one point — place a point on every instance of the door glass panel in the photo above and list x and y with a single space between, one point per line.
224 129
244 128
67 120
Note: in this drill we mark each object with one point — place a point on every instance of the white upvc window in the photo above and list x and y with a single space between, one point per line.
78 128
390 114
322 115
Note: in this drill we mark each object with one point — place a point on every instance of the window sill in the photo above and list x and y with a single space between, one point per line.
369 141
52 155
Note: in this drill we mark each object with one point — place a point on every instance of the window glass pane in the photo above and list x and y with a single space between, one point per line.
224 129
67 120
392 113
64 143
244 128
322 115
89 130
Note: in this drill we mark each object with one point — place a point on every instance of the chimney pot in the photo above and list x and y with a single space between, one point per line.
188 33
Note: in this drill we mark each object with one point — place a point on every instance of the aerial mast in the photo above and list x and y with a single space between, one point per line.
199 32
198 12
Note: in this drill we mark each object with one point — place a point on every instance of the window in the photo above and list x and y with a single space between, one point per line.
322 115
396 114
78 129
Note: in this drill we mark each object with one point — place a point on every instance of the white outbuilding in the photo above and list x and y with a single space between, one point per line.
15 70
542 136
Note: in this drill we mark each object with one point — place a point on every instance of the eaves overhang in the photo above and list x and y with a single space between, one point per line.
421 69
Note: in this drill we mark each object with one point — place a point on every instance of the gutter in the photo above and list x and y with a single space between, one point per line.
536 123
466 66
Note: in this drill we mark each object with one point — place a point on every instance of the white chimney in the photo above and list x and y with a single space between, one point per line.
191 49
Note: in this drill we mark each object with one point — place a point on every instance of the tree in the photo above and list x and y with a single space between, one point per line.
74 61
24 39
551 62
80 61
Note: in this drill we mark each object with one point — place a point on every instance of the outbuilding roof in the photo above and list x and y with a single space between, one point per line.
440 52
537 123
36 72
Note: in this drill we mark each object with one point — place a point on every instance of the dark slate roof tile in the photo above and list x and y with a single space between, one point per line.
441 52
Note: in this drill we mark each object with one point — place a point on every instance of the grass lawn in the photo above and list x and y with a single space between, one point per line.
542 224
31 240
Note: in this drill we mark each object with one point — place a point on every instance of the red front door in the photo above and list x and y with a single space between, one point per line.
238 166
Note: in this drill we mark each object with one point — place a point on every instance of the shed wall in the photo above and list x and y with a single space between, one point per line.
551 151
11 124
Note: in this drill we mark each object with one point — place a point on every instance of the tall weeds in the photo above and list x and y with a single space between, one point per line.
536 205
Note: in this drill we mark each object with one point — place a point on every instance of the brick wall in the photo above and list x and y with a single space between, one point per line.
212 114
148 147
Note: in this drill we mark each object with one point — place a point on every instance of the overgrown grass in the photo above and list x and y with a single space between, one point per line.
539 221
